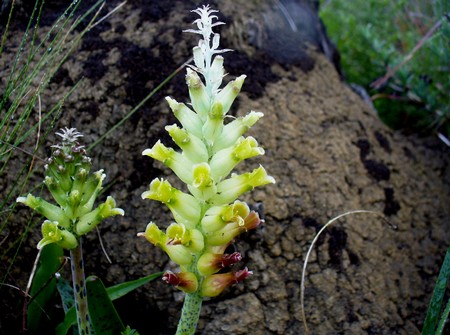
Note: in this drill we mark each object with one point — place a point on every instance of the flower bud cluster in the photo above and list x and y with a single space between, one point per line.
208 218
75 189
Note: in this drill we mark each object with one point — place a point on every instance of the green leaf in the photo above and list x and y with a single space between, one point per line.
119 290
444 317
44 285
114 292
104 317
130 331
69 320
434 309
66 292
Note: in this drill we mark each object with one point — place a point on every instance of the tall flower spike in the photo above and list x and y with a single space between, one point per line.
210 217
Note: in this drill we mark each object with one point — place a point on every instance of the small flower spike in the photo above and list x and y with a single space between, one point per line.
69 136
209 217
75 189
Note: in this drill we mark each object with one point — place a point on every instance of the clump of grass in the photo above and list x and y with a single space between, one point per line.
398 51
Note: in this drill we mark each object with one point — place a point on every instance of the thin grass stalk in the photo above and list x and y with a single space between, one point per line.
49 63
140 104
305 264
5 33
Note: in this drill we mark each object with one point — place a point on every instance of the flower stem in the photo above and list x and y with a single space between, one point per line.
79 291
190 313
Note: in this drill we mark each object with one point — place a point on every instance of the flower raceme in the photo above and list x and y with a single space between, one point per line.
209 217
75 189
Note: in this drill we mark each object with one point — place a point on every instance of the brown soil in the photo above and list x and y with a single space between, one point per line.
327 150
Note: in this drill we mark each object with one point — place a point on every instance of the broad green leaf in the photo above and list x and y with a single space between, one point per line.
66 292
130 331
44 285
104 317
69 320
114 292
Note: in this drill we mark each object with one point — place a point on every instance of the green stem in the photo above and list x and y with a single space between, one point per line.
190 314
79 291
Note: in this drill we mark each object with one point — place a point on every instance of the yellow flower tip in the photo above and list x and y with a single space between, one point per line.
159 190
159 152
177 234
239 81
111 209
260 177
190 238
177 252
154 235
240 208
52 233
216 112
173 104
202 176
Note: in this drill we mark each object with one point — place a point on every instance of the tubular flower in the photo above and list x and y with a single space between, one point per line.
210 263
51 233
177 252
184 207
185 281
213 285
75 189
226 234
209 217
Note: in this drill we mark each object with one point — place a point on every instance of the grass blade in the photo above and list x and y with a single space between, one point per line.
434 309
